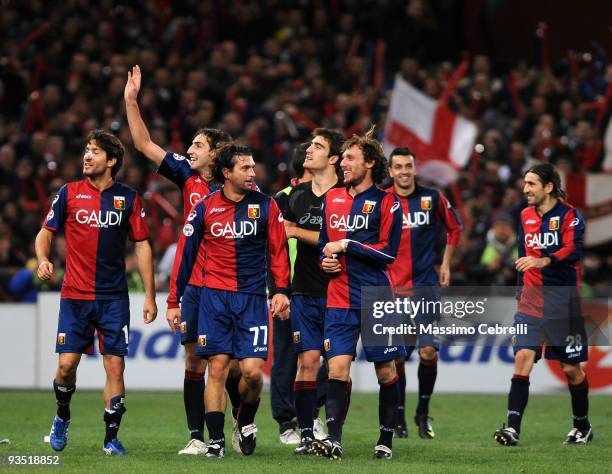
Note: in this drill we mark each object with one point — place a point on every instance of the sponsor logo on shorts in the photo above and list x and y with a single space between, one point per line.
390 349
119 202
260 349
253 211
183 327
202 340
326 345
50 215
296 337
61 338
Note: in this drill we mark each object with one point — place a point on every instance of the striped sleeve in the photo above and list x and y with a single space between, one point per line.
572 234
57 214
385 250
186 253
452 222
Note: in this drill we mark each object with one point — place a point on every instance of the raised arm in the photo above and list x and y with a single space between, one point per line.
138 129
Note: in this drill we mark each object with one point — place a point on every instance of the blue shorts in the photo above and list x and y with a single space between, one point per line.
342 329
569 340
232 323
307 322
427 294
78 319
190 305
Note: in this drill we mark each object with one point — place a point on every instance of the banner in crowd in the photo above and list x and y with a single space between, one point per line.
442 141
156 358
592 193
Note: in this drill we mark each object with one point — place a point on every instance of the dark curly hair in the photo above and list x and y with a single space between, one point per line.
214 136
225 159
372 152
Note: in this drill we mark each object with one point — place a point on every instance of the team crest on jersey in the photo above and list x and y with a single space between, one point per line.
253 211
553 223
202 340
296 337
426 203
61 338
119 202
368 207
326 345
183 327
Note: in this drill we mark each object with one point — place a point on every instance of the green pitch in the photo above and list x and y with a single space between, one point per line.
154 429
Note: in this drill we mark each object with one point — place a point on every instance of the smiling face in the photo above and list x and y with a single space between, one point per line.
534 190
96 162
403 171
199 153
241 176
354 166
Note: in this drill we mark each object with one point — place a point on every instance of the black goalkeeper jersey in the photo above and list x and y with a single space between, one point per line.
304 208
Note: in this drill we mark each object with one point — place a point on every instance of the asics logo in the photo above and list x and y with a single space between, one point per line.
82 196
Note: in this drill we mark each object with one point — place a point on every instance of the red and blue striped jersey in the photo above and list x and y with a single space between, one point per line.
96 224
177 169
558 234
422 213
371 224
236 236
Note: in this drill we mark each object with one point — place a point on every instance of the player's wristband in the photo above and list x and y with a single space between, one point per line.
344 244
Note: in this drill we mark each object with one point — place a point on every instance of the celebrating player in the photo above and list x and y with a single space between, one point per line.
422 209
550 244
192 175
309 285
98 214
237 227
360 236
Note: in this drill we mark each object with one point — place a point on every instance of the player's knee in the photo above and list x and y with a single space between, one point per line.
252 375
114 368
309 366
217 370
385 373
427 353
572 372
194 363
67 369
523 362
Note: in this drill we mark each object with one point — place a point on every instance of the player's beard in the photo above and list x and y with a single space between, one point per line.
355 180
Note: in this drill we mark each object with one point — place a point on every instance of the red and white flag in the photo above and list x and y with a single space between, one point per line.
442 141
592 194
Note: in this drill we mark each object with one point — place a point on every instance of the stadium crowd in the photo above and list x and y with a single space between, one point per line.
268 73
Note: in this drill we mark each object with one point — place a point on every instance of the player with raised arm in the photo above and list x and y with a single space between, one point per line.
422 211
550 244
360 235
98 215
242 231
192 174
